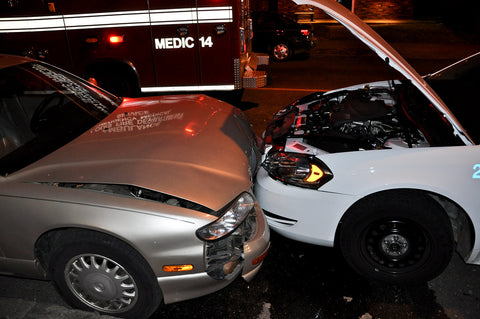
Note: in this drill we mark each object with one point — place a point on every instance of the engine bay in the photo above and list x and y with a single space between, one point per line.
363 118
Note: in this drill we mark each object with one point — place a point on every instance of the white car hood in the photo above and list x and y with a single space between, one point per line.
366 34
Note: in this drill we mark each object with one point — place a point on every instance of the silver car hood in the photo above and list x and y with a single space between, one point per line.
375 42
193 147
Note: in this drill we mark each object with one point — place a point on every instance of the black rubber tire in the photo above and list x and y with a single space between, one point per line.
397 237
74 244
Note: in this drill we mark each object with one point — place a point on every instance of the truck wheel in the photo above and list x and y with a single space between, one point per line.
400 237
115 78
95 272
117 84
281 51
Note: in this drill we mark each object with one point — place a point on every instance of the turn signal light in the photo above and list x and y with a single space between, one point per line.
315 174
177 268
260 258
297 169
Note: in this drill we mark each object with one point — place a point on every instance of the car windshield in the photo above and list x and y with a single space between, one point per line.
43 108
458 86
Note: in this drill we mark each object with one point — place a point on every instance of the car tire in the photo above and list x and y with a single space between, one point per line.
281 51
96 272
397 237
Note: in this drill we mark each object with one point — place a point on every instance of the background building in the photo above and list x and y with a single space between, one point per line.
462 15
459 10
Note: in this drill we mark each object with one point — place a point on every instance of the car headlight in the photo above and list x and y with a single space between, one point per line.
233 216
297 169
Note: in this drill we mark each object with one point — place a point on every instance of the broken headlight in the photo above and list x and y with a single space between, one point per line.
297 169
233 216
225 237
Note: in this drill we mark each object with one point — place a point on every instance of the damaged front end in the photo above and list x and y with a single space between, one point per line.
225 238
378 116
371 117
237 240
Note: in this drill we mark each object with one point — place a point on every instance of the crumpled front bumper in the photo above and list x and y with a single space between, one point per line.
189 286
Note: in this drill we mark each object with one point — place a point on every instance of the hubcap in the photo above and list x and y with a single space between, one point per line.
101 283
281 51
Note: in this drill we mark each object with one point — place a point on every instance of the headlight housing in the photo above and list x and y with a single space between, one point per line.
233 216
225 237
297 169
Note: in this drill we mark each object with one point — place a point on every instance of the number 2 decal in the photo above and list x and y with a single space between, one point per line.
476 168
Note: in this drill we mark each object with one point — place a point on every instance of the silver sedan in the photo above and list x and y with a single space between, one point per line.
123 203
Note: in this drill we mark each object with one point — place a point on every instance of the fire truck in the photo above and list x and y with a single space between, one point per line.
130 47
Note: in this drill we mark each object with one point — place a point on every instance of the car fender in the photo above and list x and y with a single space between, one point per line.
315 214
133 221
361 174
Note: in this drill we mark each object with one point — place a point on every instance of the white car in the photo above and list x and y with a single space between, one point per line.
384 171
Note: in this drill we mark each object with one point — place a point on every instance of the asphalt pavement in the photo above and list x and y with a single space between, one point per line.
298 280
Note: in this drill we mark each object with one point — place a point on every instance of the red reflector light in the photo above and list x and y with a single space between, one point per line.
305 32
115 39
91 40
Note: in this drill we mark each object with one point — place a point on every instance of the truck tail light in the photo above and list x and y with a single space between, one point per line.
305 32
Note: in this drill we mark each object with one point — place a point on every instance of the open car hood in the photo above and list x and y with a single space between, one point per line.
384 50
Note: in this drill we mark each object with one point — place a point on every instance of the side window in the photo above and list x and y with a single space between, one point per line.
8 142
14 117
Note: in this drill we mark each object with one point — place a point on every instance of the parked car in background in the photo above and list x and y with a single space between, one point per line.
388 172
123 202
280 36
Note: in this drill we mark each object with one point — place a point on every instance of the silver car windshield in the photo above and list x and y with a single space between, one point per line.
43 108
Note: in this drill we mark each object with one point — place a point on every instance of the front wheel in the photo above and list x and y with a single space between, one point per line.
400 237
281 51
99 273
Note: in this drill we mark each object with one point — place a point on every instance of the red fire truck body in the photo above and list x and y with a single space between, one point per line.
133 46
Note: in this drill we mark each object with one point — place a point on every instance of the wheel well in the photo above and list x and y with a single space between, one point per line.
280 39
47 241
462 226
104 70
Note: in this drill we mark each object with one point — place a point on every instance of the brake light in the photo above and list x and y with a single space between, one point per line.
114 39
305 32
